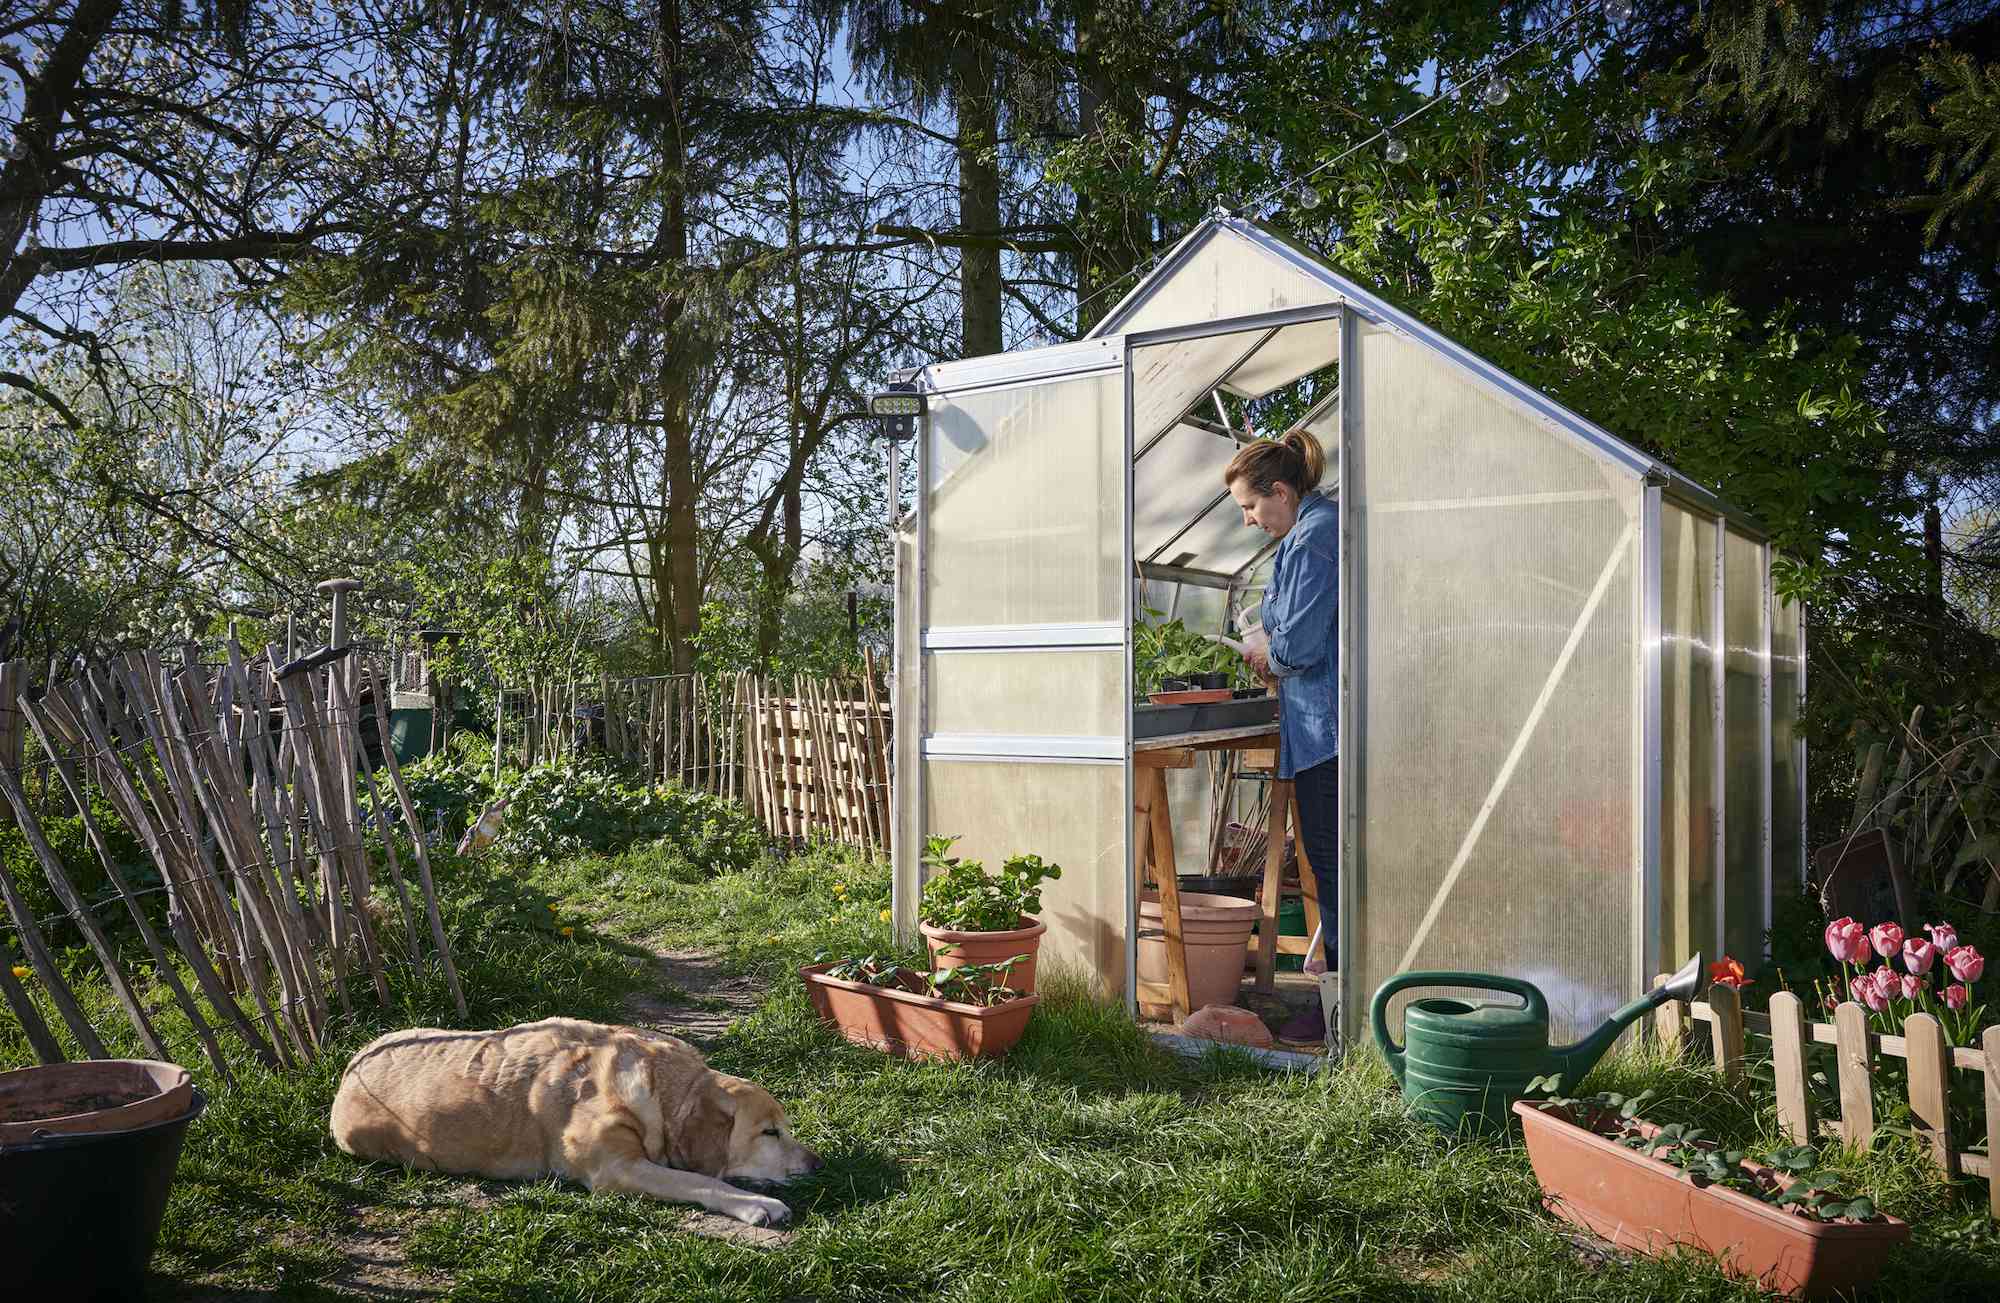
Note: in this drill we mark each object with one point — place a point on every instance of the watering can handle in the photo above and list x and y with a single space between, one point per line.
1378 1010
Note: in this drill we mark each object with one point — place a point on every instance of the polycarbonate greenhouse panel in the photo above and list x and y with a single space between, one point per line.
1026 514
1174 380
1743 765
1787 798
1494 680
1070 814
1295 351
1688 814
1216 275
1077 692
1173 483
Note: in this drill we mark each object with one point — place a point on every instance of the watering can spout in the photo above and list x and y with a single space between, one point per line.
1576 1061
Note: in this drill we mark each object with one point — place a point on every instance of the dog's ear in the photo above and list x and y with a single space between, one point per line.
699 1138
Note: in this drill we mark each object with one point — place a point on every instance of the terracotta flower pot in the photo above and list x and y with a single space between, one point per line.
916 1026
88 1153
1641 1203
1216 930
953 949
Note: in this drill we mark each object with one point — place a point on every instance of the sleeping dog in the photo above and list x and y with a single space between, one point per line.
614 1108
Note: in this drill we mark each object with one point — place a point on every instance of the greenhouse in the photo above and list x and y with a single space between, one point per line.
1568 695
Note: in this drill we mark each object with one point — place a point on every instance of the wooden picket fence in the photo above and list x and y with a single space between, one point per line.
808 756
1930 1058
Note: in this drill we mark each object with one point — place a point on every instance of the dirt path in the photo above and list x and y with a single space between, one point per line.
693 996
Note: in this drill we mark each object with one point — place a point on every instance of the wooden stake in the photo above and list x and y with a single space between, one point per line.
149 938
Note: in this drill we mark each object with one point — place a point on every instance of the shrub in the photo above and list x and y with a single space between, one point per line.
564 809
449 788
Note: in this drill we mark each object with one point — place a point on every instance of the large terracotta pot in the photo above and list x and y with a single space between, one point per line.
1641 1203
87 1156
1216 930
950 949
916 1026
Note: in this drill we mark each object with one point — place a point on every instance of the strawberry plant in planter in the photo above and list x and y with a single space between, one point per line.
1650 1188
952 1013
972 916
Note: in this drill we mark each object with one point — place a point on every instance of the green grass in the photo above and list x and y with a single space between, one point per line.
1088 1164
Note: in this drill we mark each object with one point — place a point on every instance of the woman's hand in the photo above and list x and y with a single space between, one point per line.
1257 653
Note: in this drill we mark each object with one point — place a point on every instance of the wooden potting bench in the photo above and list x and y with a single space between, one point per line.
1153 831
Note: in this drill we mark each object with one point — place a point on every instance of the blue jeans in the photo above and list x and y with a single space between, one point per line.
1318 792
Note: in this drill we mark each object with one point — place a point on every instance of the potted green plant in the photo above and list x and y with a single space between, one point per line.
966 1012
1651 1188
1167 656
969 915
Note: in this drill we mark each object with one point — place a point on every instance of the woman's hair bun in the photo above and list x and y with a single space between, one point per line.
1296 459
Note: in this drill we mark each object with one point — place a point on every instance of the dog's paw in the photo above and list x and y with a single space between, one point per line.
759 1210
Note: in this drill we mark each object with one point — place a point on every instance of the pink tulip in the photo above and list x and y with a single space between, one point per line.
1965 963
1919 955
1864 989
1912 986
1943 935
1956 995
1847 941
1887 939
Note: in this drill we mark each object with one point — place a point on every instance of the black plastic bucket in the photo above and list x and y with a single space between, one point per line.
79 1214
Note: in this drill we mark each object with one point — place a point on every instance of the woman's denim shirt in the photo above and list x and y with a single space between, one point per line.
1301 614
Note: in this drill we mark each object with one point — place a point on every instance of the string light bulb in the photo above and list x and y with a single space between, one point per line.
1618 11
1308 196
1495 92
1395 150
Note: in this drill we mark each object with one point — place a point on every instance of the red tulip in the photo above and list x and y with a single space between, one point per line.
1847 940
1919 955
1965 963
1887 939
1727 972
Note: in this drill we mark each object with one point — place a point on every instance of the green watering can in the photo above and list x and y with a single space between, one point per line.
1462 1065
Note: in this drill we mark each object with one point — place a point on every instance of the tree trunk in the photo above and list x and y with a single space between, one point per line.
977 100
1114 235
680 598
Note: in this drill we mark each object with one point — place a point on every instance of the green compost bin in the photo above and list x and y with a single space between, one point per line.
410 733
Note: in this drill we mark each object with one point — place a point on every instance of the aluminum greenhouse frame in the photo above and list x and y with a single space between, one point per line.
1568 700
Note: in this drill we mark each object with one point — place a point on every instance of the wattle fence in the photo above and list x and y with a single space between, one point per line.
808 756
1736 1037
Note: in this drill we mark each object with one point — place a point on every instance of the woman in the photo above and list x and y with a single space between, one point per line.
1273 482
